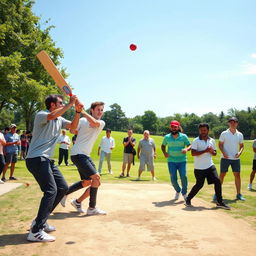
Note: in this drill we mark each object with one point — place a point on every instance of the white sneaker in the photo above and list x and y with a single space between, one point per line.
1 182
138 178
185 197
249 187
63 201
110 172
77 206
154 178
40 236
47 228
95 211
177 196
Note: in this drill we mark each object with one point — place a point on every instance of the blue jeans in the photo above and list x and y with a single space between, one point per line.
181 167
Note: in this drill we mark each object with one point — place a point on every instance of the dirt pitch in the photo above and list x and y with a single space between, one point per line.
141 220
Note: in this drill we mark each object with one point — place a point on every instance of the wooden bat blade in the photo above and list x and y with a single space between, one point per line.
54 72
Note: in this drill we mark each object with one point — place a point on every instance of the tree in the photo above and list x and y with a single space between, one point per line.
150 121
23 82
115 118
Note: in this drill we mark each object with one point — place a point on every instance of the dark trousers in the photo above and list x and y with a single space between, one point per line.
212 178
52 184
2 163
63 153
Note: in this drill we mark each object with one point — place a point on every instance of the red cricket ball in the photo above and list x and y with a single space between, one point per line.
133 47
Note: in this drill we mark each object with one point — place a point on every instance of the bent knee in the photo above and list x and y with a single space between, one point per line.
86 183
95 180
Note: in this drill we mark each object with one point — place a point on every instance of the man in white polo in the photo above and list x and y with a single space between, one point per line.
231 145
105 149
64 142
203 148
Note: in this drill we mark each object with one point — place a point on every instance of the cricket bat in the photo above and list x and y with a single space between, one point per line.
54 72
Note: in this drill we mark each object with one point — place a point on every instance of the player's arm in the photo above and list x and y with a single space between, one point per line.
221 147
185 150
60 111
195 152
163 148
93 122
138 152
241 149
73 125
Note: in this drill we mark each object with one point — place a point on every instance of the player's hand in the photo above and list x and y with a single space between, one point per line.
210 150
225 155
166 155
238 155
79 106
72 99
184 151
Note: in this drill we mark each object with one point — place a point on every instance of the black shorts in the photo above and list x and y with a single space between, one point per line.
225 163
85 166
254 165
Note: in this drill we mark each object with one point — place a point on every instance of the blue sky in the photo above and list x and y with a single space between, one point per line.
192 56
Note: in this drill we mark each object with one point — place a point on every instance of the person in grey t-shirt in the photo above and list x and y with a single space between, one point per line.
146 154
47 127
253 166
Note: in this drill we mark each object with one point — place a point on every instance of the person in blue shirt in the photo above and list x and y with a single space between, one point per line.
178 145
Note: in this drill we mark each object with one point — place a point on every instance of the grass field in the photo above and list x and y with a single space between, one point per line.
21 205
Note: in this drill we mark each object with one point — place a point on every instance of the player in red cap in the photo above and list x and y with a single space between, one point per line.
178 145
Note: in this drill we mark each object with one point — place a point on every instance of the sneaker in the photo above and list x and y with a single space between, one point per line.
223 206
128 175
214 198
4 179
12 178
77 206
185 197
47 228
110 172
95 211
249 187
188 203
240 197
63 201
154 178
40 236
177 196
121 175
138 179
1 182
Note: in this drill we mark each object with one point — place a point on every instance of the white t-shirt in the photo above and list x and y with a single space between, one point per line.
231 143
203 161
107 143
64 138
86 137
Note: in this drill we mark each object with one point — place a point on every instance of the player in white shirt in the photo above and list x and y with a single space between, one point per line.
105 149
88 130
231 145
203 148
64 142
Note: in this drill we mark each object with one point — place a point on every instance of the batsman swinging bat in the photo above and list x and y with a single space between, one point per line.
54 73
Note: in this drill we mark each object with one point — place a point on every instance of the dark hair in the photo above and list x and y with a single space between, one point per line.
7 129
203 125
108 130
97 103
52 98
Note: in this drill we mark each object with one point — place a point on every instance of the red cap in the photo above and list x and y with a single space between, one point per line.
175 123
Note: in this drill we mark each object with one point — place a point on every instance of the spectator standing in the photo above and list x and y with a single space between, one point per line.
253 166
105 150
11 151
63 149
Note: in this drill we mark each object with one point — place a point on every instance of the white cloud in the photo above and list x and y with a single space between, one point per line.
249 69
253 55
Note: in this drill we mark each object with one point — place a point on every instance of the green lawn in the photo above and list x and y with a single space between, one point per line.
21 205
